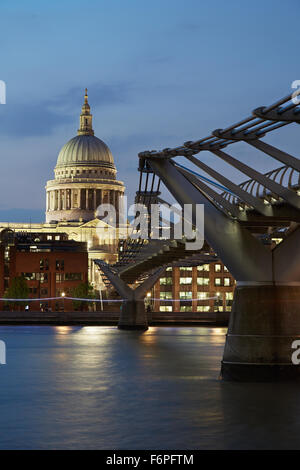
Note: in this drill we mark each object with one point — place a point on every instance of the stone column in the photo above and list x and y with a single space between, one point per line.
94 199
87 199
59 200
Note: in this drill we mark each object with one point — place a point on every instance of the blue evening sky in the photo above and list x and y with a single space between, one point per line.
159 73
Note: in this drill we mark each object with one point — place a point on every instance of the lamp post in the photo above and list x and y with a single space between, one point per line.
218 296
63 294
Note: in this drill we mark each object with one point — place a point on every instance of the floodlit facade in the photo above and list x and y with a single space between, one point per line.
204 288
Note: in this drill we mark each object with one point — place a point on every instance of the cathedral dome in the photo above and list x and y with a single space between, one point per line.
85 150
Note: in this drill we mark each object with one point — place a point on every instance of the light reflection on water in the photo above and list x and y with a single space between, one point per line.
97 387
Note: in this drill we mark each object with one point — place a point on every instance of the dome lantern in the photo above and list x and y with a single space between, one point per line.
86 126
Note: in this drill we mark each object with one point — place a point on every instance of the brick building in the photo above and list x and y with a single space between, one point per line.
205 288
51 264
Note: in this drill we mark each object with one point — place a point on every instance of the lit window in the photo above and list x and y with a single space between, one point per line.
218 308
185 280
218 281
203 281
225 269
185 308
229 295
203 267
203 295
165 281
165 308
185 295
203 308
186 268
226 281
166 295
217 268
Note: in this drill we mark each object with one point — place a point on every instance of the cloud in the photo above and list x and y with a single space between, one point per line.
41 119
101 94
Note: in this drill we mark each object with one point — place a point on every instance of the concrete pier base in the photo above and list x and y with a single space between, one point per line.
264 322
133 316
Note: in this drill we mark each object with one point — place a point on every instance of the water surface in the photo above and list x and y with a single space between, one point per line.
101 388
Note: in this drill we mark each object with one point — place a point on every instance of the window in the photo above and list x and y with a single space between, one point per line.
49 237
203 281
186 268
169 269
218 281
44 291
227 281
203 308
185 295
59 265
218 268
186 308
29 276
203 295
218 308
229 295
203 267
185 280
44 264
165 281
165 308
32 290
225 269
73 276
43 277
59 277
166 295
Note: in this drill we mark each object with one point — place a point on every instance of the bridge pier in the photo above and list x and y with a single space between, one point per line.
133 316
264 322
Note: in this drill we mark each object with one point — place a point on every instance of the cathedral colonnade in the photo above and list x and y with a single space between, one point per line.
68 199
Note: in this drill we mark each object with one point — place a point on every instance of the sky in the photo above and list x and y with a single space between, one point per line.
159 73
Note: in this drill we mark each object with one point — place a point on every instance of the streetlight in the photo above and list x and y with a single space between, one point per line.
63 294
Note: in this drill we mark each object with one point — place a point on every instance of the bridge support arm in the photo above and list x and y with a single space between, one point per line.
246 258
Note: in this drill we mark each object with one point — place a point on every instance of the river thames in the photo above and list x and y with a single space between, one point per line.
101 388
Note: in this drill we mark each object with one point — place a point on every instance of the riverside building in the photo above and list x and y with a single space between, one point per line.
51 264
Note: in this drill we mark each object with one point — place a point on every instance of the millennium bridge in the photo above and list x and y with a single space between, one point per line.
240 221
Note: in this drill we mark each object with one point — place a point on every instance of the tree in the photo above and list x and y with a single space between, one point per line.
84 290
18 289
